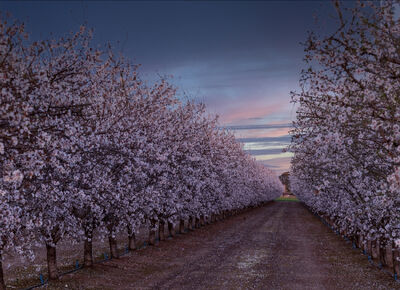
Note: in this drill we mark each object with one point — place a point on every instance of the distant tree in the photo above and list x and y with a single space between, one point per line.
284 178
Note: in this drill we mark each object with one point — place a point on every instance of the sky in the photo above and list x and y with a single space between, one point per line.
241 58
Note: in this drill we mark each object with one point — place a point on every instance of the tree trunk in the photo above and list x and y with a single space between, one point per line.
88 253
171 229
202 221
375 250
161 233
132 242
197 223
181 226
389 255
359 241
88 248
353 240
2 283
131 238
369 248
382 254
363 244
113 247
396 261
52 262
152 233
190 225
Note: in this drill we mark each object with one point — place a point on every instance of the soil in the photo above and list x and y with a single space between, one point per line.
277 246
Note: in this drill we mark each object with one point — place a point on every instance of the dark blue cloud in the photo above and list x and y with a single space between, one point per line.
264 151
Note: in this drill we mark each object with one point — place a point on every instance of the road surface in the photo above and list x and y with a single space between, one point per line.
278 246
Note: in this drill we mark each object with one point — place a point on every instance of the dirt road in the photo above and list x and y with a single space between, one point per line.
279 246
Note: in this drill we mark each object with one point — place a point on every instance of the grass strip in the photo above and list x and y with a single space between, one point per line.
294 199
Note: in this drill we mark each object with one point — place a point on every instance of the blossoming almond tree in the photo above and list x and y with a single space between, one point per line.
85 146
346 136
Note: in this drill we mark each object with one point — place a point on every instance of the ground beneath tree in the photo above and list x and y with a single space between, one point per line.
278 246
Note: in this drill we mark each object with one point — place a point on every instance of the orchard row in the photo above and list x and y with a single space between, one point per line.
346 138
86 145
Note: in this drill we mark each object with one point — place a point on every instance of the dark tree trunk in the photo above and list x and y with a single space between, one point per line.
202 221
356 240
363 245
382 254
197 223
396 262
113 247
132 242
161 228
181 226
190 223
52 262
389 255
152 233
375 250
2 283
366 246
171 229
369 248
88 253
131 239
359 241
88 249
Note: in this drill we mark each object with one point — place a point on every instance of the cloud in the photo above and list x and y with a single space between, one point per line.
273 156
264 145
272 166
285 138
264 151
240 108
259 133
279 165
251 127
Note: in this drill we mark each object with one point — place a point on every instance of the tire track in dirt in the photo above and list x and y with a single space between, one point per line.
220 265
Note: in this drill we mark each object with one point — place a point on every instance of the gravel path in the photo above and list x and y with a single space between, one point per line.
278 246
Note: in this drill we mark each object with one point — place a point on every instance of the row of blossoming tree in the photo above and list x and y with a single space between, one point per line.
346 138
88 147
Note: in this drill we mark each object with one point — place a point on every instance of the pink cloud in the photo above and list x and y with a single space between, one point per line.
262 133
279 165
239 111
